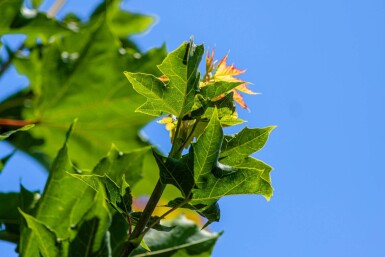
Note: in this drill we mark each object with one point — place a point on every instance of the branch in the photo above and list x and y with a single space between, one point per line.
136 236
16 123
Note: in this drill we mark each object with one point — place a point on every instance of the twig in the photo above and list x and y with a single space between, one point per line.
16 123
55 8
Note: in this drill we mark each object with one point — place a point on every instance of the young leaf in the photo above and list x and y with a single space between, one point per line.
219 88
186 239
177 97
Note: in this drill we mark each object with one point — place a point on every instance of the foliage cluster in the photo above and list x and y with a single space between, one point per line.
75 72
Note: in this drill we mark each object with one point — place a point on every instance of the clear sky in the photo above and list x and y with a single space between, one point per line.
320 66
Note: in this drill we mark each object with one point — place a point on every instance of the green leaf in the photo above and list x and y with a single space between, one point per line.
4 160
118 196
218 88
92 238
244 143
46 240
118 233
86 88
9 10
121 22
36 3
63 205
9 214
9 133
226 111
116 164
177 97
205 151
218 174
186 239
175 172
36 25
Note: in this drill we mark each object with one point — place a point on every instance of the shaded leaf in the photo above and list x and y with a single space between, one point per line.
175 172
92 237
135 218
118 233
186 239
9 214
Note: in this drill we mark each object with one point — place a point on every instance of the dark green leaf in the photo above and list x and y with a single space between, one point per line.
175 172
118 233
9 214
186 239
177 97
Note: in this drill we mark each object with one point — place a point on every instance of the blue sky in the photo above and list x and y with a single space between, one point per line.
320 66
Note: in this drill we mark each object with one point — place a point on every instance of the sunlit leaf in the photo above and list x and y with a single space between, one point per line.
177 97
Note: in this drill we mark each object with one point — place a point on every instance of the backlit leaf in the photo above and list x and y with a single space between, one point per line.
177 97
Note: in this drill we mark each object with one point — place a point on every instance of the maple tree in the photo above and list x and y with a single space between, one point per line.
78 94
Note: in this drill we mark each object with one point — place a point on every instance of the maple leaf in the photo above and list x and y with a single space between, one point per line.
227 73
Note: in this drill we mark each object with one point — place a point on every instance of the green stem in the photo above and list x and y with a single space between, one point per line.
132 242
